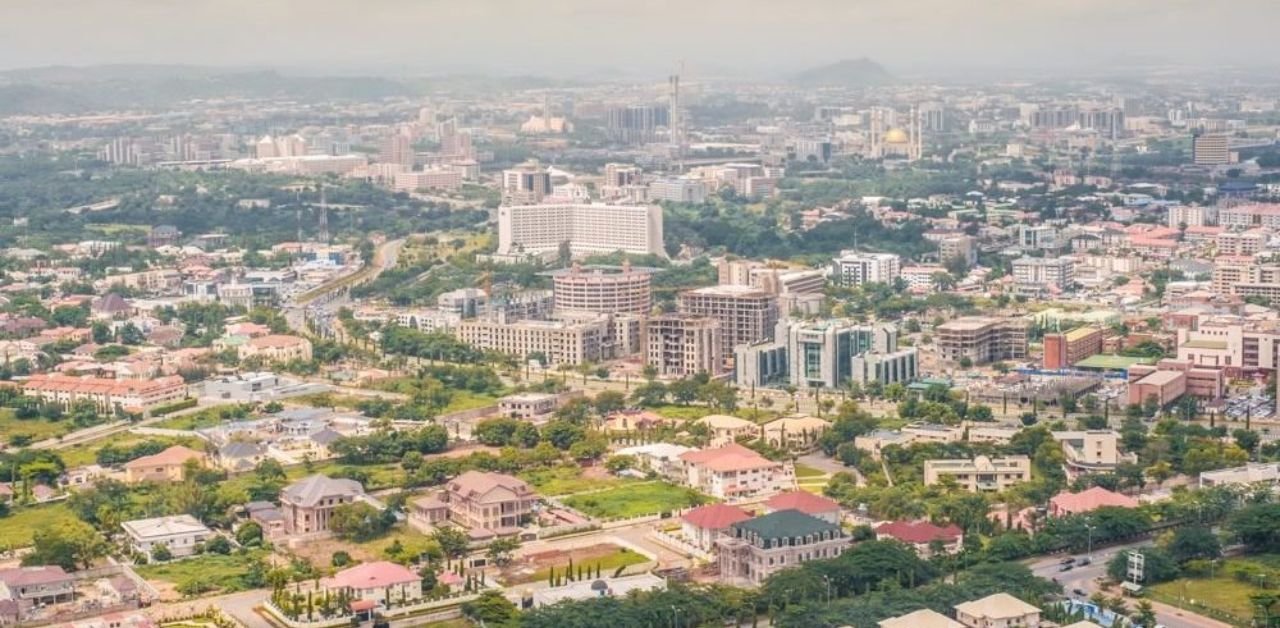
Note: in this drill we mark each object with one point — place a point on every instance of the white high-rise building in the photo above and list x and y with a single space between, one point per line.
853 268
1035 274
586 229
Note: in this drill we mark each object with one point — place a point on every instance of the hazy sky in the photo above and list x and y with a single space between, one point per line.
570 37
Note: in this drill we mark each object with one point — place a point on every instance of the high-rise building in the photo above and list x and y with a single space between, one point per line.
603 289
525 184
559 342
982 339
747 315
678 191
853 268
584 228
618 178
435 178
1034 275
1063 350
816 354
1210 149
958 246
679 345
396 149
636 124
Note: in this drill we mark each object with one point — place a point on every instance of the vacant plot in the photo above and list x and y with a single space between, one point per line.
223 573
567 480
208 417
87 453
1223 592
606 557
30 430
634 500
401 542
17 528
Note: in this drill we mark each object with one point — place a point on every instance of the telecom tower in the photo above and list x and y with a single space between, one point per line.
676 121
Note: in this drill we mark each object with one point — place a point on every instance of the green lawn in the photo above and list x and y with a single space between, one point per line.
608 564
566 480
1223 592
224 572
634 500
683 413
87 453
805 471
36 429
467 400
207 417
16 529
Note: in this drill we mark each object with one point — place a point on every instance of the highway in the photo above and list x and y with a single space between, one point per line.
1088 577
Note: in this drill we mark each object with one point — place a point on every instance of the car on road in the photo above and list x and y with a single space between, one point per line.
1066 567
1080 592
1067 561
1083 561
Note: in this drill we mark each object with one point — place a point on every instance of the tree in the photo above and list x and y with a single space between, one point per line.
609 401
1247 440
1256 527
966 362
161 553
340 559
249 534
1144 614
70 544
452 541
1193 542
491 608
500 550
357 521
218 545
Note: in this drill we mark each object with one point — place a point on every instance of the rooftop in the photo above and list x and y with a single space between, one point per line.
997 606
164 526
923 618
786 524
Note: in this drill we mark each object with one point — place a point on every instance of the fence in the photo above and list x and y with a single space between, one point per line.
678 544
445 608
1196 607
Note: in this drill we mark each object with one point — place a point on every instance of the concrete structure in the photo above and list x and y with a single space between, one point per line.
525 184
735 472
1210 149
982 339
447 179
308 504
1164 387
528 405
166 466
958 246
603 289
179 534
586 228
746 314
678 345
1249 216
106 394
560 342
1240 243
1181 216
682 190
1000 610
896 367
923 536
981 474
852 268
1267 473
40 586
1091 451
1062 350
755 549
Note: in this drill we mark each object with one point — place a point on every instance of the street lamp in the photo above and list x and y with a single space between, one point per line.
827 579
675 616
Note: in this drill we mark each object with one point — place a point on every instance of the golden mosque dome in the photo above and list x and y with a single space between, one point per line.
896 136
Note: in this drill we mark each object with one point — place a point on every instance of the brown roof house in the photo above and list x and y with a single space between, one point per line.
166 466
487 504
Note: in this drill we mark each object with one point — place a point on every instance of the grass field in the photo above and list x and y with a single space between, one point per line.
683 413
224 572
207 417
805 471
17 528
566 480
634 500
608 564
1222 592
87 453
36 429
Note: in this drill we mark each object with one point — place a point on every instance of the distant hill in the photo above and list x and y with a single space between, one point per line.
847 73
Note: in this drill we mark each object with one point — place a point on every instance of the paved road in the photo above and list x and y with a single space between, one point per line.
102 431
1087 578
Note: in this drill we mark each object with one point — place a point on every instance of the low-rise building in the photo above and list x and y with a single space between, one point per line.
48 584
1091 451
383 582
923 536
923 618
180 534
1068 503
106 394
1000 610
736 472
794 432
309 503
981 474
824 508
491 503
728 429
755 549
528 405
704 524
275 348
166 466
1265 473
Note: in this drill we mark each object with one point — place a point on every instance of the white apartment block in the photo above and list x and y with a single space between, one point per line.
1192 216
587 228
1038 272
561 342
853 268
440 179
981 474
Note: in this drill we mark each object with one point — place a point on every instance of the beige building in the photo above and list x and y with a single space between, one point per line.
276 348
166 466
981 474
982 339
736 472
678 345
923 618
1000 610
1091 451
728 429
746 314
561 342
795 432
603 289
106 394
587 229
492 502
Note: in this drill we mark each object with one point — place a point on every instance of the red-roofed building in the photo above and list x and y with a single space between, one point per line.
378 581
921 535
807 503
1066 503
736 472
106 394
703 524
